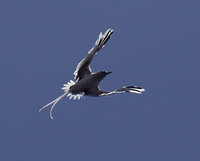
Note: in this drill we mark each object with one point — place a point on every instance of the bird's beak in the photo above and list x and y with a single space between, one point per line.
109 72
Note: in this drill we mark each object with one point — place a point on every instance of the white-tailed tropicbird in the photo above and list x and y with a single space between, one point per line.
87 83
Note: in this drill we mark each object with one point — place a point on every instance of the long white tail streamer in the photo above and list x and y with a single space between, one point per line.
66 88
54 102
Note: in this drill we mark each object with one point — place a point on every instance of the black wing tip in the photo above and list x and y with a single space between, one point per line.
111 30
133 87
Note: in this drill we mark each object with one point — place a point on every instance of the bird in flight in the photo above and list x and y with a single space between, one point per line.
87 83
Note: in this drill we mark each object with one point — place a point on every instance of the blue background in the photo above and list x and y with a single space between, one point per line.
156 45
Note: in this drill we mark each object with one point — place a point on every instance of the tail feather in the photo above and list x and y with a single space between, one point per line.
54 102
66 88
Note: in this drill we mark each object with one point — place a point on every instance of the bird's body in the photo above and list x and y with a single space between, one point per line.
87 83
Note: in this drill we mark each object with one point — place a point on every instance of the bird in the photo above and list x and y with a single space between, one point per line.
86 82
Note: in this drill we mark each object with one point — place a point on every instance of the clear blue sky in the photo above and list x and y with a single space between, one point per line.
156 45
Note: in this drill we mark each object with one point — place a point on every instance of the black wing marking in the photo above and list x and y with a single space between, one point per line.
128 89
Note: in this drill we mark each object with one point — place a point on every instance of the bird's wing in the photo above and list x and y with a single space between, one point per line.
128 89
94 91
83 69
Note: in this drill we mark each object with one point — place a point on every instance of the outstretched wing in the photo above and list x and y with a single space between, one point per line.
128 89
83 69
131 89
